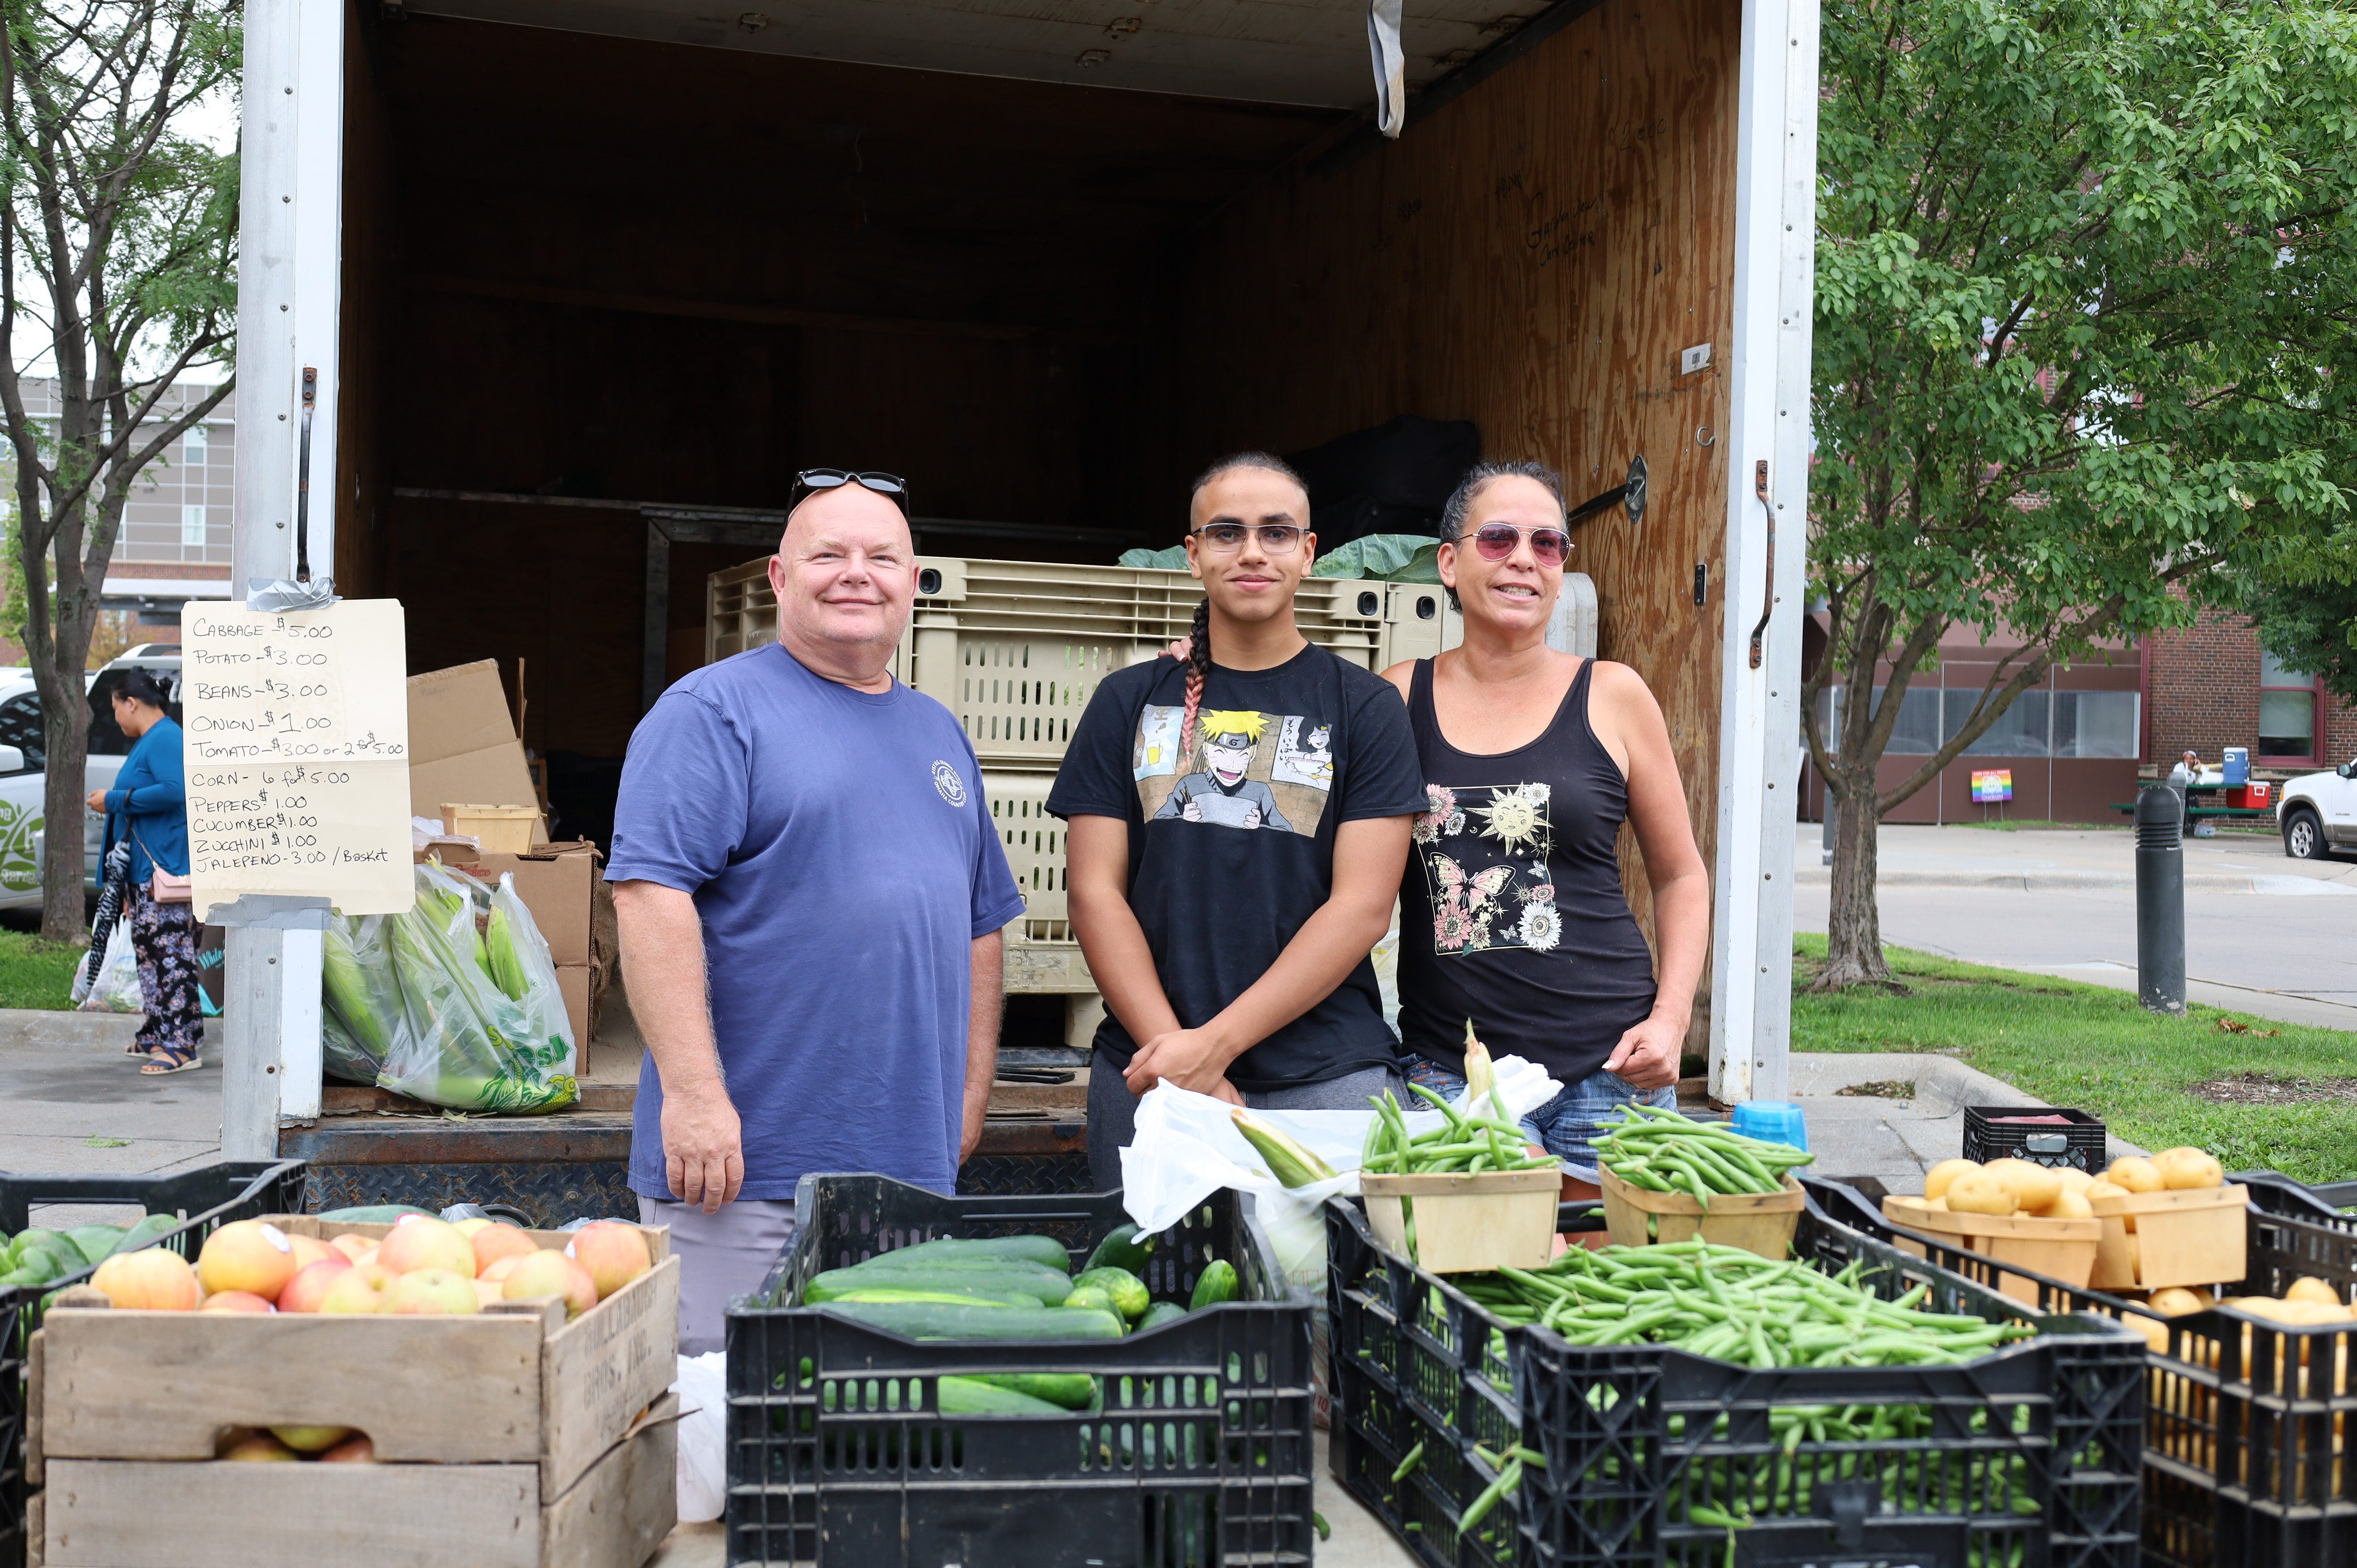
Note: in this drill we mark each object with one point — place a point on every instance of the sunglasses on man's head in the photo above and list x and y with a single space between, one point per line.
1496 541
810 481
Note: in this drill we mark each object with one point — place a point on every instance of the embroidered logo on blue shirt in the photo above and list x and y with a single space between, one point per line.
946 780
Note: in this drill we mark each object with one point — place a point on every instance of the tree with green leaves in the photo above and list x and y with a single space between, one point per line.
118 241
2306 606
2083 276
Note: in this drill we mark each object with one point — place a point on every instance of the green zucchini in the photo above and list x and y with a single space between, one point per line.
972 1396
1217 1284
1122 1249
933 1320
1160 1313
1067 1391
1000 1274
938 1298
1037 1249
1128 1292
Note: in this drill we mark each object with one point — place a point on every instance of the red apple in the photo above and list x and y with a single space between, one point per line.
420 1242
249 1255
548 1273
360 1288
351 1245
310 1285
350 1451
153 1280
612 1252
433 1293
259 1446
492 1243
235 1301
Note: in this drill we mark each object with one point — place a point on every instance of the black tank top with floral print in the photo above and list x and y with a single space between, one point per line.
1511 912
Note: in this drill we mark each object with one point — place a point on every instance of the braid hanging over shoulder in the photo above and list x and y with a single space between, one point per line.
1199 664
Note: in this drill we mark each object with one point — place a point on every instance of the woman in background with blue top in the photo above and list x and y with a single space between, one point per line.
147 807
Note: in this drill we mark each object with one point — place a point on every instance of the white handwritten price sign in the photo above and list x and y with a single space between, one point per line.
297 754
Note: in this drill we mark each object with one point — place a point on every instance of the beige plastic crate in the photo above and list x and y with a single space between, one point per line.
1016 648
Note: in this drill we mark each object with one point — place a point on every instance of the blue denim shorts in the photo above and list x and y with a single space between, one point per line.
1565 1126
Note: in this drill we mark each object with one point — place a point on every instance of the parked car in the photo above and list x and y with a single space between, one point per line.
23 778
2317 812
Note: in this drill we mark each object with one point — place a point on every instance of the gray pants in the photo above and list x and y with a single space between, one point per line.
720 1255
1113 1110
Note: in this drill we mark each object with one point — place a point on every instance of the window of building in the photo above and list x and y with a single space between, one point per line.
192 525
2096 724
2019 731
192 446
1917 733
2287 706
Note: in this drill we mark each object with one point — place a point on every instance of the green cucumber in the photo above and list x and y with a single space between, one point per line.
1066 1391
374 1214
1122 1249
1037 1249
1128 1292
1000 1275
1217 1284
96 1241
939 1297
1160 1313
972 1396
1095 1298
932 1320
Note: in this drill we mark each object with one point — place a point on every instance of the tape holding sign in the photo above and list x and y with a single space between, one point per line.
297 729
1992 786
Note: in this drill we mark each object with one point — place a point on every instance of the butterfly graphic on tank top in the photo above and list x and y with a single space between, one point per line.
1484 850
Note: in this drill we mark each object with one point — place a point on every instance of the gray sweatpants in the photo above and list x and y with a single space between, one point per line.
1113 1110
720 1255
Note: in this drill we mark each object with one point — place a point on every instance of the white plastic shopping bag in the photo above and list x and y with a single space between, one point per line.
117 989
702 1390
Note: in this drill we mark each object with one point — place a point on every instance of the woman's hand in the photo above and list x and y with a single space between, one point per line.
96 800
1647 1056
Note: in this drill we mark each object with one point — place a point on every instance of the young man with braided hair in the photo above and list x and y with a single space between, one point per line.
1239 823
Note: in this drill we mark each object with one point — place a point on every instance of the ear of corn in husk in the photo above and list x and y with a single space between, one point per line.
1288 1161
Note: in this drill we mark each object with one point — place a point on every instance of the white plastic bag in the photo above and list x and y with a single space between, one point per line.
117 989
702 1390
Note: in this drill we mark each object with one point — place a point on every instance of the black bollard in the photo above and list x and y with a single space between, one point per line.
2160 898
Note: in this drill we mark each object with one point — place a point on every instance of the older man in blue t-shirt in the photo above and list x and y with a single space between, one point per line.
811 891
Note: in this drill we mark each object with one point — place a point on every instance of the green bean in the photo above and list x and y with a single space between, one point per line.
1407 1463
1508 1479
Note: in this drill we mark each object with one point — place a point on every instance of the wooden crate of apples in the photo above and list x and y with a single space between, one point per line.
412 1393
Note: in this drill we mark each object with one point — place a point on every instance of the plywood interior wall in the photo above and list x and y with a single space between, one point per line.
1533 256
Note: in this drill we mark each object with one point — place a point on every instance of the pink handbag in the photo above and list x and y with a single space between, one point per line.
163 886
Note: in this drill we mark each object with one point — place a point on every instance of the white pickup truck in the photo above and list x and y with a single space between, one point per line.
22 777
2318 814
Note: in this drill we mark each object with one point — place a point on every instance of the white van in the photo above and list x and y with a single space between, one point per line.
23 778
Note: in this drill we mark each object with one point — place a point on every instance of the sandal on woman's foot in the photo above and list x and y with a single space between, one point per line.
164 1060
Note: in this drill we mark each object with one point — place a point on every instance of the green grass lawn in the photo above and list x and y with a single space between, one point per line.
35 973
2097 1050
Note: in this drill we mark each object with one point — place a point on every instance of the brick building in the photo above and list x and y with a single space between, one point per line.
174 544
2209 686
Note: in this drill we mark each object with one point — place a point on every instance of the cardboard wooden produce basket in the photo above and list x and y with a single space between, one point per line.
1760 1222
509 1437
2200 1237
1467 1223
2061 1248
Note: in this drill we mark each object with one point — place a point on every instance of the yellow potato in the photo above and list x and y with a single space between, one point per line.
2033 1186
1936 1179
1938 1203
1981 1192
2073 1178
2155 1332
2192 1171
2133 1174
2067 1204
2178 1153
2312 1290
2098 1187
2175 1302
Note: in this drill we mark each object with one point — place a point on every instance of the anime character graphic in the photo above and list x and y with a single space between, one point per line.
1220 793
1304 753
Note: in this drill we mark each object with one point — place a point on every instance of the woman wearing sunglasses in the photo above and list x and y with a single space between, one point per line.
1511 914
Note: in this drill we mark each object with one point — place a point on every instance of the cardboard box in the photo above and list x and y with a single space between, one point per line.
462 744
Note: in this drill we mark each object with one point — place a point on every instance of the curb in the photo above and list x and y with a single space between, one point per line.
1944 1086
2049 881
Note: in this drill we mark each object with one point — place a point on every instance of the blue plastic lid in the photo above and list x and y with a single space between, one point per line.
1772 1121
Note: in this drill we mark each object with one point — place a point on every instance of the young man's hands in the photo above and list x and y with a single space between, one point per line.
1191 1058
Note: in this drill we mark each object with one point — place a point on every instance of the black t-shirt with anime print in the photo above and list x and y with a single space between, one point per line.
1231 848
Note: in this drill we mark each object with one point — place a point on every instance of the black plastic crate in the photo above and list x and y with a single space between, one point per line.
206 1199
1199 1456
2081 1144
2241 1465
1617 1483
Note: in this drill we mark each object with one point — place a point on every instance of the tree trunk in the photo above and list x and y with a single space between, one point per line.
65 915
1854 925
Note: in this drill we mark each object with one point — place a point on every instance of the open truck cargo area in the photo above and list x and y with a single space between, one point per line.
585 282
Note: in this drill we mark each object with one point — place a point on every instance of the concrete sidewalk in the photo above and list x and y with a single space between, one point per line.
2037 860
